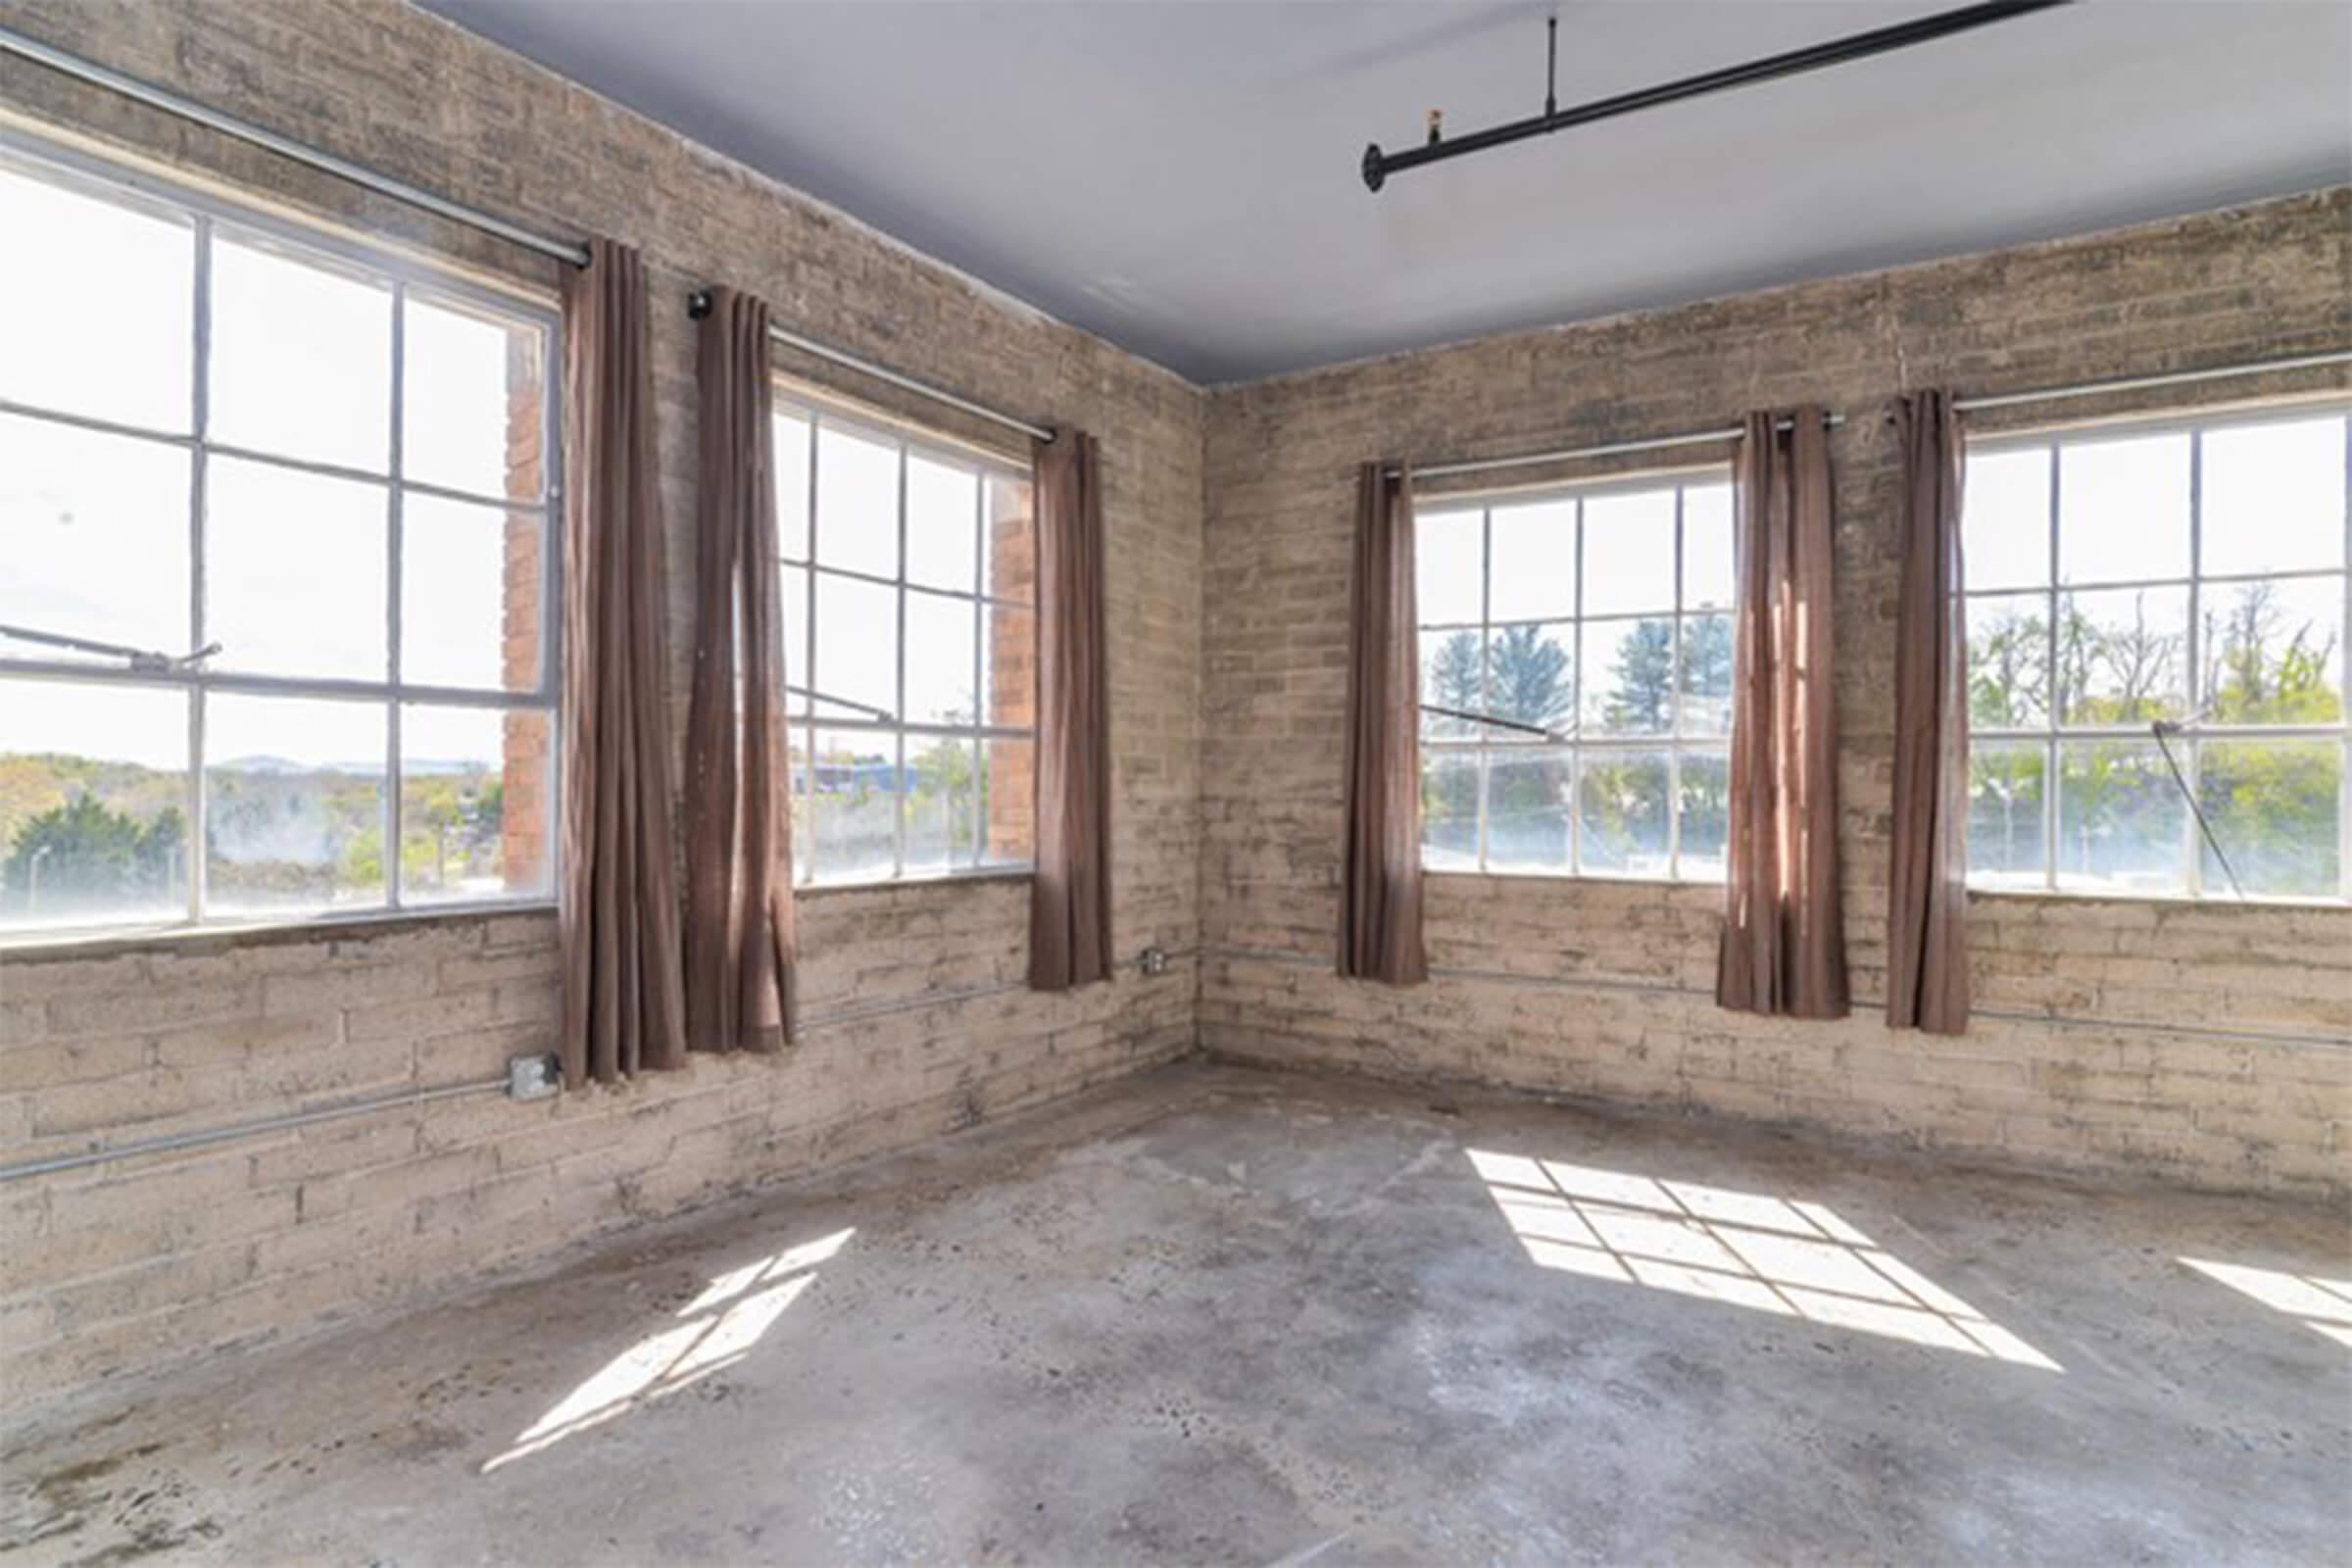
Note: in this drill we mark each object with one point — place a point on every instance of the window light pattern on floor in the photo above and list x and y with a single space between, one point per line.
720 1327
2324 1305
1769 1255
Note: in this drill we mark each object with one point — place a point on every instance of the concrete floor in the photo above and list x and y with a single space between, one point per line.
1211 1315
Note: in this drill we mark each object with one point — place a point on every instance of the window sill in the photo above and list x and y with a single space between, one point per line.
928 879
1571 879
2156 901
111 941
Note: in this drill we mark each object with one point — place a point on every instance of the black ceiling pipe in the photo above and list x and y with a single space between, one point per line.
1379 166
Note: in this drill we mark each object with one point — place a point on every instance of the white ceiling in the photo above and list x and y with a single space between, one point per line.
1180 175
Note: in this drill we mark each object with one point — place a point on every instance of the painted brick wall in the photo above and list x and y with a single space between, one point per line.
2205 1044
916 1019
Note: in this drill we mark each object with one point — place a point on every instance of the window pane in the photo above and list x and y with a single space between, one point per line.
792 616
1533 570
2123 509
294 802
941 650
473 803
2275 806
1011 541
1629 552
1449 810
856 647
1621 828
1527 812
295 568
1008 792
93 539
93 796
469 595
1448 560
942 524
2274 496
1707 675
2121 818
804 821
472 398
2009 661
2122 656
1705 801
1531 677
1450 678
2006 783
1710 557
2274 652
857 504
1628 676
790 434
854 808
2005 520
301 357
1010 668
943 794
128 360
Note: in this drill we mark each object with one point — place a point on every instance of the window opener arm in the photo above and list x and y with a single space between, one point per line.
2162 730
1498 723
144 661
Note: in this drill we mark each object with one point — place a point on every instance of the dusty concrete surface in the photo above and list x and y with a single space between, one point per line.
1217 1315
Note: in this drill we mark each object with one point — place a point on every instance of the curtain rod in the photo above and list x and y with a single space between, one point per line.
1697 438
698 305
12 42
2093 389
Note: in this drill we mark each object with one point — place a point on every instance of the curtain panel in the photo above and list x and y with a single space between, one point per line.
624 1004
1379 856
1783 938
739 911
1069 895
1927 885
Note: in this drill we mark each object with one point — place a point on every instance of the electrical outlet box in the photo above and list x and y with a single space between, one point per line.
532 1077
1154 961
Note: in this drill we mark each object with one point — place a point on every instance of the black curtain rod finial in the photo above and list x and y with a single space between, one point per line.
1376 167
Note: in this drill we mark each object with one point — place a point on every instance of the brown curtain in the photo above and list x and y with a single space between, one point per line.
1069 897
1927 889
739 933
1783 938
623 1008
1379 860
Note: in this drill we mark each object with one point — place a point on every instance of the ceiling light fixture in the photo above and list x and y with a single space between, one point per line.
1379 166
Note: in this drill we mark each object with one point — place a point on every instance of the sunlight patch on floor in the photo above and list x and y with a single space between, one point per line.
2319 1304
1769 1254
721 1325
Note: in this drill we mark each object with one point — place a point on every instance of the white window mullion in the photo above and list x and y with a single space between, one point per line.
393 671
898 791
200 420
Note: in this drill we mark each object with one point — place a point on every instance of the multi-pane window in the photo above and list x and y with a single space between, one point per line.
910 628
1597 624
2175 589
275 568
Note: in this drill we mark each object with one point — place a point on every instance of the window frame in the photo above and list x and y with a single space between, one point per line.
1673 740
2191 733
204 213
820 409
